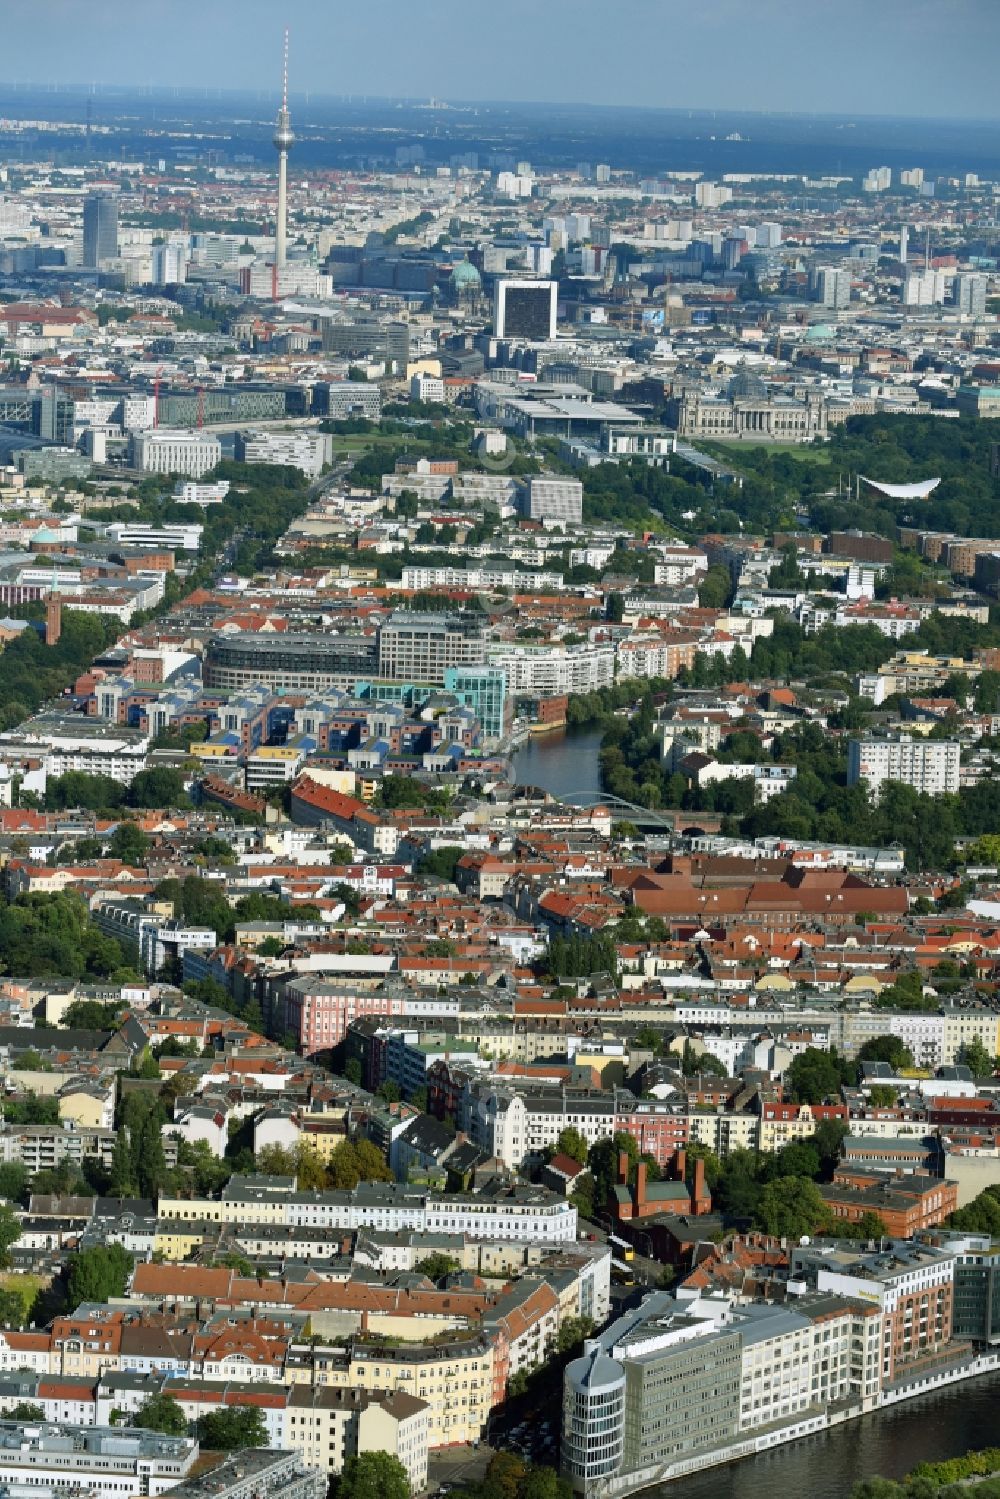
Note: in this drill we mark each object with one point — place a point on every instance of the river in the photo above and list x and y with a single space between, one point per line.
561 762
828 1465
891 1443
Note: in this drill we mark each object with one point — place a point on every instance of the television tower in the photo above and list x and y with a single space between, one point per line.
284 140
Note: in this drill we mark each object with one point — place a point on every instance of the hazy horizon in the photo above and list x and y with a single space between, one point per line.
921 59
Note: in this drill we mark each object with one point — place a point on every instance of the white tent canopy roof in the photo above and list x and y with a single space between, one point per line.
904 491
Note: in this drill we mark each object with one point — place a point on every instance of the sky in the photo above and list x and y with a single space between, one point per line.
928 58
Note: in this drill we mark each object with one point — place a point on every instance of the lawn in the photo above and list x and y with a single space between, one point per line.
729 452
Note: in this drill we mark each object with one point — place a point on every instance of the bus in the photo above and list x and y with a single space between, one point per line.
625 1249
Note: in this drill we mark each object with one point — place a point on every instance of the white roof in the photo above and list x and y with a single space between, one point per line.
904 491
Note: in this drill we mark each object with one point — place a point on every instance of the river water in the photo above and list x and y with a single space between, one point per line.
828 1465
562 762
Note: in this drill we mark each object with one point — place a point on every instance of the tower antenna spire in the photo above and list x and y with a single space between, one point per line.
284 139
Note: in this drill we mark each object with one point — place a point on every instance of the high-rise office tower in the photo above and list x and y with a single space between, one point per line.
969 294
525 309
831 286
100 228
904 243
284 140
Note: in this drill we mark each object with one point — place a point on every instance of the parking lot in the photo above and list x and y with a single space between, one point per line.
534 1440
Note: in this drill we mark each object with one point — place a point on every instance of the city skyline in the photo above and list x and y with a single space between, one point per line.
918 59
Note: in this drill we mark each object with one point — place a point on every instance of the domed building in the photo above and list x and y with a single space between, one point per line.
746 386
466 282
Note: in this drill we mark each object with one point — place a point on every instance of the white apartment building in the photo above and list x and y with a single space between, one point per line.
711 194
138 412
513 1126
173 536
553 670
924 289
426 388
189 492
676 565
308 451
168 263
878 180
421 578
928 765
528 1215
174 451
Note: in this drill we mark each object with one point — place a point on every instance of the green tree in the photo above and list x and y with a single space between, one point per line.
695 1151
572 1143
791 1206
870 1226
92 1015
886 1049
352 1071
981 1215
233 1427
160 787
973 1054
571 1334
799 1158
437 1265
985 850
98 1274
275 1160
14 1182
442 862
356 1161
602 1160
151 1165
739 1185
542 1482
715 588
814 1076
504 1477
372 1475
162 1413
10 1231
123 1181
129 844
26 1410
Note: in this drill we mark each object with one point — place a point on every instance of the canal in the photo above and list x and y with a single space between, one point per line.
828 1465
891 1443
561 762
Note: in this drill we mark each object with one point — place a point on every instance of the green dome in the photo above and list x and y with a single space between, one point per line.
465 277
819 333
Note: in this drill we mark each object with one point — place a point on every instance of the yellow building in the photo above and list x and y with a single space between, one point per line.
222 1210
176 1240
89 1105
963 1026
456 1379
329 1426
